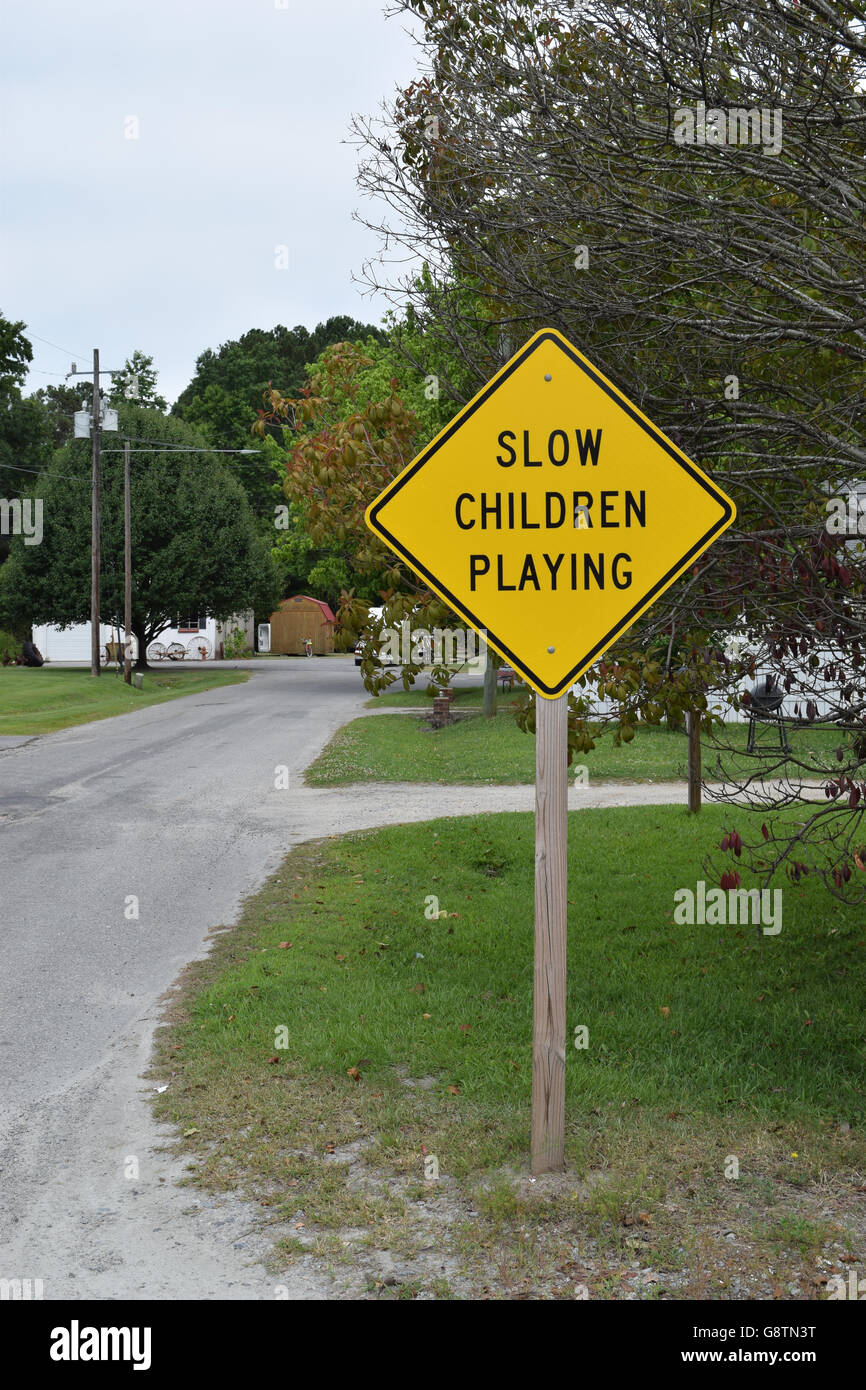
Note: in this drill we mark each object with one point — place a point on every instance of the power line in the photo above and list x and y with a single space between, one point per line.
185 449
16 468
48 343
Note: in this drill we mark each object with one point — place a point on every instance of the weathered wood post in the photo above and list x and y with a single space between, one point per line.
551 842
694 761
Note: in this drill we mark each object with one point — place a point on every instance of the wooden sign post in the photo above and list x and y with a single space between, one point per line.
549 515
548 1020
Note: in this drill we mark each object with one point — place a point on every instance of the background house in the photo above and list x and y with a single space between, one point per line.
300 617
73 643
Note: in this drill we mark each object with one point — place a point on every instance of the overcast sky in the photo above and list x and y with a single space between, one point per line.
167 242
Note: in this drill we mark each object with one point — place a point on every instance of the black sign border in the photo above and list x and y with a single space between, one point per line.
549 335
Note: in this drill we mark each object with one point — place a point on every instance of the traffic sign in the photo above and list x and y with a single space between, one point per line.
550 513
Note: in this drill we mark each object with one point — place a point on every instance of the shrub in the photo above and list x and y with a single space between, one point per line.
10 646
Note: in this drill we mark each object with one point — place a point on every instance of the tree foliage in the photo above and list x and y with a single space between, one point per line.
536 163
224 398
137 382
24 444
348 433
195 547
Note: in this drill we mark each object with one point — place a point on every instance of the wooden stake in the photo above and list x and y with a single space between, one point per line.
694 762
551 840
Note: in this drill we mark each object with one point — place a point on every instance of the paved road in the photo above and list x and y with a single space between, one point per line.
175 806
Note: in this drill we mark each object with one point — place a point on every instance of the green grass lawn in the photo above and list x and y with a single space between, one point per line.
400 748
338 1014
40 701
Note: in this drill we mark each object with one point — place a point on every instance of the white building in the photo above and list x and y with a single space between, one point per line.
201 637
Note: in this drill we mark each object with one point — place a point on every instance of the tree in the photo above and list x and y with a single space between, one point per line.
544 162
378 369
137 382
59 404
24 442
224 398
345 441
16 353
279 355
195 547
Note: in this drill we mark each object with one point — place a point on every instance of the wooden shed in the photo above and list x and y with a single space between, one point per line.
300 617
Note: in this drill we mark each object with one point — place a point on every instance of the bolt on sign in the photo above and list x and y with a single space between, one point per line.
550 513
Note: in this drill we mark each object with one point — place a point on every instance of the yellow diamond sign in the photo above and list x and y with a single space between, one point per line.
550 513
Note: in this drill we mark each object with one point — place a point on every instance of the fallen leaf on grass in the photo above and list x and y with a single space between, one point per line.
285 945
273 1060
354 1073
466 1028
455 1090
664 1010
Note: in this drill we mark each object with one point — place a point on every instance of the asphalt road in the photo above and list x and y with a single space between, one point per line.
176 807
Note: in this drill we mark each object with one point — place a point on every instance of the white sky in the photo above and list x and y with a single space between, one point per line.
167 243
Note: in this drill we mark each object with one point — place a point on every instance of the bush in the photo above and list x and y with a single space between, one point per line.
236 645
10 646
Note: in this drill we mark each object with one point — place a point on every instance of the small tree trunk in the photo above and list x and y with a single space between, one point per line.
141 660
488 704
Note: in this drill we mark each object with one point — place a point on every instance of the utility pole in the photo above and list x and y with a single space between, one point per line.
94 527
127 566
